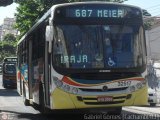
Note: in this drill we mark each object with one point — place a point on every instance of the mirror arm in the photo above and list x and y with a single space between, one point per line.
49 34
50 47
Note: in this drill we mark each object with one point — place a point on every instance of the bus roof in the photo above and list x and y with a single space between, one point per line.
48 13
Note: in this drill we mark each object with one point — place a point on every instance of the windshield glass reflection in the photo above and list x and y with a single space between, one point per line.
97 46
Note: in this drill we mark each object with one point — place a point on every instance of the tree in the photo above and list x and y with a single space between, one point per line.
148 21
8 46
145 13
9 38
27 14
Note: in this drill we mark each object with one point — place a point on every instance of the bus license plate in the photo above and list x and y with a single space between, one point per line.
105 99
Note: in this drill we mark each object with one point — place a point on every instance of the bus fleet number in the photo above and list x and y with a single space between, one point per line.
124 83
83 13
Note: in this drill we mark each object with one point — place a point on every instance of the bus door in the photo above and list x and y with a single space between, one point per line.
47 76
30 68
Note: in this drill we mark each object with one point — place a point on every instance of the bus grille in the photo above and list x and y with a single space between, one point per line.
101 90
93 100
104 103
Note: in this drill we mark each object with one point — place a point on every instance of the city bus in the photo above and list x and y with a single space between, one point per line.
9 72
84 56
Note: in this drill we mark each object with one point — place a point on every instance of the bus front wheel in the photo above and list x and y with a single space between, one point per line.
4 84
42 107
26 102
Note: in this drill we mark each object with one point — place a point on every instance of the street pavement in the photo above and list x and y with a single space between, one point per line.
12 108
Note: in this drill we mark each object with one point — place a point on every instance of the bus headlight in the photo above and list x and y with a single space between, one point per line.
66 88
139 85
143 82
132 88
58 82
74 90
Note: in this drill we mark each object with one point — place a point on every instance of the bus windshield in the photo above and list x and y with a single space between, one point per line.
98 46
10 68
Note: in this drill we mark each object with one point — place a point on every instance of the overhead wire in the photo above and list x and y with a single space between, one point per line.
153 10
152 6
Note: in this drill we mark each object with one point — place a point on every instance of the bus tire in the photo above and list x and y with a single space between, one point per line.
25 101
42 107
4 86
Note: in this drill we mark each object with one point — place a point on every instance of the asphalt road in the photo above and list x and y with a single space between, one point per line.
12 108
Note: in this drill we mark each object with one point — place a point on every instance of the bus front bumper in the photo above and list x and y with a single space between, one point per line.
9 83
63 100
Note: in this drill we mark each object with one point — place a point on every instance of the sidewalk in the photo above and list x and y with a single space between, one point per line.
147 109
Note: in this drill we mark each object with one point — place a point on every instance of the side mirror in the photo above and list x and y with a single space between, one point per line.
49 36
49 33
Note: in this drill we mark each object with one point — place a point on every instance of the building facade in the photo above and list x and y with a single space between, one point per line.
153 41
8 27
153 54
0 32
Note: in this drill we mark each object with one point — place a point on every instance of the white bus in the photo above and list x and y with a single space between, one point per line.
84 55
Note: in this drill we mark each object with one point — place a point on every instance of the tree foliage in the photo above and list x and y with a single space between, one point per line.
27 14
29 11
8 46
148 21
9 38
148 24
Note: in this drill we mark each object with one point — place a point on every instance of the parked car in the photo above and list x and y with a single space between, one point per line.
152 97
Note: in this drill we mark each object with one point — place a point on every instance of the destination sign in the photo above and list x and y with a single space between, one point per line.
96 13
10 60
